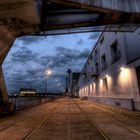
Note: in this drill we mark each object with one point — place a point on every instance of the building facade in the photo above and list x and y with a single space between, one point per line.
111 74
73 84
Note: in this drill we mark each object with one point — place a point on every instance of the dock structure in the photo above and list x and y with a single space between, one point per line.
71 119
49 17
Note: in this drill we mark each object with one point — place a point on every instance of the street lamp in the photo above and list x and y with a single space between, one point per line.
48 73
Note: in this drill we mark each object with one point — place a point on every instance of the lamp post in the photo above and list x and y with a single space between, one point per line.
48 73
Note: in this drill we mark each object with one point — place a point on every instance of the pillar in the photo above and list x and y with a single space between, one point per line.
6 41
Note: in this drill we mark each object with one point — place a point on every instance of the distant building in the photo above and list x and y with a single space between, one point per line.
25 92
68 84
111 74
73 78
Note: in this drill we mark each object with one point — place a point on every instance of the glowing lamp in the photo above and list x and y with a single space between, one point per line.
107 76
123 69
49 72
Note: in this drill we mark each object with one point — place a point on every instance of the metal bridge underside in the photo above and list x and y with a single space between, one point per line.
62 16
23 17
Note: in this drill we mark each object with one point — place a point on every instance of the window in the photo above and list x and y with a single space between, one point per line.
114 47
115 53
96 55
96 51
92 69
105 86
102 39
96 68
95 71
103 60
91 57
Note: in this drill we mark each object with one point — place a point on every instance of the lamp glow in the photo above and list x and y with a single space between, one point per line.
49 72
107 76
122 69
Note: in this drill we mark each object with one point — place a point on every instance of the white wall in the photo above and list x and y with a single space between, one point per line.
121 83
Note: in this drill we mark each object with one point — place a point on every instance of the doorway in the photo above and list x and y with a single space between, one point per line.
105 86
138 76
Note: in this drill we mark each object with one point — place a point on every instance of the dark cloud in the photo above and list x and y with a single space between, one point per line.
7 67
36 79
24 55
80 42
26 40
45 60
94 36
19 77
58 76
84 54
64 57
35 76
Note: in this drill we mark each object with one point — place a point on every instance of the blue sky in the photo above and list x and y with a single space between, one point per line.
30 56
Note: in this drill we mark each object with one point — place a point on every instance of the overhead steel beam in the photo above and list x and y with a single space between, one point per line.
129 6
107 28
68 14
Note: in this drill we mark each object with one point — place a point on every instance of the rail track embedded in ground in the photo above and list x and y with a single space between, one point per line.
92 123
115 121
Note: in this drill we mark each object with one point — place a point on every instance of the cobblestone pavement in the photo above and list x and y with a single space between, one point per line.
71 119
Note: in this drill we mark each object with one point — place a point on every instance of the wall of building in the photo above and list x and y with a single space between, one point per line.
115 82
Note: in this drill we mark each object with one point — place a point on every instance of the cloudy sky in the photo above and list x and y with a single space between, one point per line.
30 57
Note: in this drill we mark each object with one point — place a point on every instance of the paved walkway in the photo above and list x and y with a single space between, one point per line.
71 119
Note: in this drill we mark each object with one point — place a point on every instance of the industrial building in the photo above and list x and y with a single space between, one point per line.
111 74
74 76
71 83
